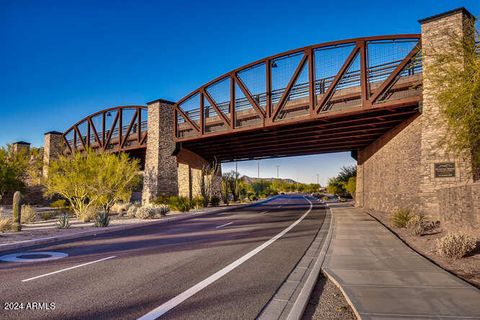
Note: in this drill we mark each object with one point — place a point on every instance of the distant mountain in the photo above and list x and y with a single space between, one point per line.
248 179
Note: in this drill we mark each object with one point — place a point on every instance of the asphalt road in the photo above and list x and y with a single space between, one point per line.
223 266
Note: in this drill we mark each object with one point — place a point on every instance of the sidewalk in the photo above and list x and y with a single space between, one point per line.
382 278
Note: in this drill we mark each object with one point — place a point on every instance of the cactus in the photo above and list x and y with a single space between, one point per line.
102 220
16 225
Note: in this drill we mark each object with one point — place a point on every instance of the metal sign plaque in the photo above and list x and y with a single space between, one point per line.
444 170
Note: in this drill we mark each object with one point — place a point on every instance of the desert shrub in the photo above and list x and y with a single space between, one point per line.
64 221
89 214
145 212
102 220
181 204
455 245
162 209
5 224
29 214
120 208
47 215
401 217
417 224
214 201
60 203
252 196
325 198
197 202
132 211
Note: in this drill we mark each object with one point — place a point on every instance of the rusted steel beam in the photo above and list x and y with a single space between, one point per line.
311 80
232 103
77 132
248 95
127 133
268 88
187 118
290 84
339 76
139 125
363 74
386 84
95 133
217 109
110 133
202 114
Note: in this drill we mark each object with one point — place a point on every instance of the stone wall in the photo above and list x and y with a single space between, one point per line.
460 207
388 174
436 32
397 170
190 172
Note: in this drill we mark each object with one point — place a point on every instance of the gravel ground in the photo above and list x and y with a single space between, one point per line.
327 303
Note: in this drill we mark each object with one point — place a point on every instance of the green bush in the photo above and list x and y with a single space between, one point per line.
102 220
152 211
162 200
401 217
29 214
181 204
214 201
47 215
456 245
60 203
64 221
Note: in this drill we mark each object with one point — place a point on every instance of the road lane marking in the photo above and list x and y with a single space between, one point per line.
263 212
172 303
224 225
67 269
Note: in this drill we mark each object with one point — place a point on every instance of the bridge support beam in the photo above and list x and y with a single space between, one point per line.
52 148
410 166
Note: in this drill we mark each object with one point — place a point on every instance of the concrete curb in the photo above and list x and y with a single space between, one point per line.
301 302
309 265
5 248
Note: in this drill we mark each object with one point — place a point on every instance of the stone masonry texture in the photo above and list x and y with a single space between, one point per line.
52 148
160 175
397 170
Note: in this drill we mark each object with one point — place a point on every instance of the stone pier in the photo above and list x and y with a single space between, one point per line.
410 167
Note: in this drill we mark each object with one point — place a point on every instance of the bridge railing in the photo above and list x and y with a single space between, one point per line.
305 84
115 129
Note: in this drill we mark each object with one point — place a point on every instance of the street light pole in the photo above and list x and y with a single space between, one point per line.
258 169
278 168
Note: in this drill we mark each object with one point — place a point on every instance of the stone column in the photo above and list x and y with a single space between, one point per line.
21 146
161 174
434 151
52 148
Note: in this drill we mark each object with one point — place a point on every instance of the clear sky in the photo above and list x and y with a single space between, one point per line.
62 60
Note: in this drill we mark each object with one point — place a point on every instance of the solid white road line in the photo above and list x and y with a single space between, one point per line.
70 268
172 303
224 225
263 212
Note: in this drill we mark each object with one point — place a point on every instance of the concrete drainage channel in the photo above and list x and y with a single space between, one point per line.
292 297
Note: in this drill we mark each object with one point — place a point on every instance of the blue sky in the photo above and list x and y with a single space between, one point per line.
62 60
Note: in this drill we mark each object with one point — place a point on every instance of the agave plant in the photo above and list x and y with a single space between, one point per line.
64 221
102 220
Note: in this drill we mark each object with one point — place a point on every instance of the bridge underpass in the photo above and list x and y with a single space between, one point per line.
365 95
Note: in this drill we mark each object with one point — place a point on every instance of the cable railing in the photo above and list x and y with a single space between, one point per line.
351 79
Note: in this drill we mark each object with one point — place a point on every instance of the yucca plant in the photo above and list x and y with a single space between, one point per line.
102 220
401 217
64 221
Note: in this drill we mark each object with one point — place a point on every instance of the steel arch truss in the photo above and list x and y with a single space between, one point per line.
115 129
310 83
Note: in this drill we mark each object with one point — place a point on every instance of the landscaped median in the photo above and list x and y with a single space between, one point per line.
33 234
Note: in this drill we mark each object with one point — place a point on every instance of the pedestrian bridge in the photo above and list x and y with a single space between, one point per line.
335 96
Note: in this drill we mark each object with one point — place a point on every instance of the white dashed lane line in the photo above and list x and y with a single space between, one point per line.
66 269
224 225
